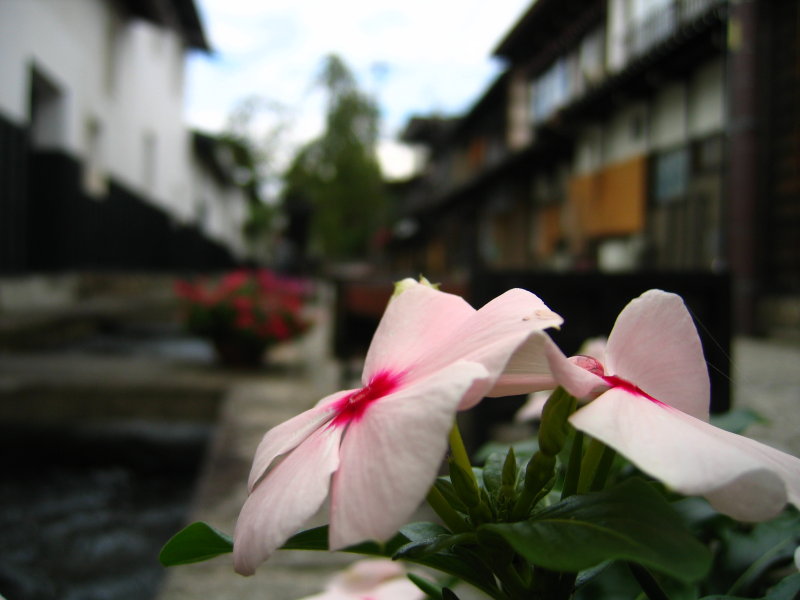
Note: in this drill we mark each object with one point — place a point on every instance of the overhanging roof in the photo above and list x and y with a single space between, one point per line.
539 26
179 14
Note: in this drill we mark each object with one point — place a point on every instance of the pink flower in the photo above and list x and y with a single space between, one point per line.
233 281
371 579
378 448
650 403
277 327
244 320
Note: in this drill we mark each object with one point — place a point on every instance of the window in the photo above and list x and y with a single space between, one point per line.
591 57
671 175
94 176
552 89
47 112
149 162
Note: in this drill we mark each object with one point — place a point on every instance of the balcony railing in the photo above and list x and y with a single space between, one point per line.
659 25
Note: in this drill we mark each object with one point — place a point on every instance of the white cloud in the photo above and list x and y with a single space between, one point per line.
398 161
435 55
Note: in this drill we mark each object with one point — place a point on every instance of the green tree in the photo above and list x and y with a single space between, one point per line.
338 173
254 135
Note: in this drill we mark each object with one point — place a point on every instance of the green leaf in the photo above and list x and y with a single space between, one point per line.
749 554
465 484
194 543
523 450
736 421
787 589
459 562
423 548
430 589
422 530
448 492
493 473
310 539
629 522
317 539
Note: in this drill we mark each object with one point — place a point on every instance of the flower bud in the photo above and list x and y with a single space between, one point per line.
465 485
509 476
554 427
539 472
404 284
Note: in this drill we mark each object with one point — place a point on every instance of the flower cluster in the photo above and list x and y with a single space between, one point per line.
433 355
518 527
257 307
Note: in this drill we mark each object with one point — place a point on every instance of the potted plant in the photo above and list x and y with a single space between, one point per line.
244 313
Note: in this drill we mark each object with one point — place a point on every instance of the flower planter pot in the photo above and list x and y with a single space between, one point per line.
238 353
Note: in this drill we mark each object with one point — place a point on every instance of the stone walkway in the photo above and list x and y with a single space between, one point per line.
766 379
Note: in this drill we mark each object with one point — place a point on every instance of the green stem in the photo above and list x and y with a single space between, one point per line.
511 581
458 451
757 565
573 466
446 512
600 476
647 582
551 585
595 466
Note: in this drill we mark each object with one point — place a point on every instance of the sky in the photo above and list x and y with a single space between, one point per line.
416 57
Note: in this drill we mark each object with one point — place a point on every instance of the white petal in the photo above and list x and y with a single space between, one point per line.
740 477
285 499
398 589
286 436
532 409
526 371
413 320
654 345
424 330
492 336
366 574
390 458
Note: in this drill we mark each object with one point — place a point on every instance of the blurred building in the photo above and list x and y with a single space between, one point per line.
97 168
625 136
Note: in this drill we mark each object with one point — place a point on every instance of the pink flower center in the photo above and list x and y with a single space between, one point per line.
593 365
351 407
619 382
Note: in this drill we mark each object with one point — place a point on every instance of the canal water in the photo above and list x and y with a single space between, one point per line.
87 499
84 511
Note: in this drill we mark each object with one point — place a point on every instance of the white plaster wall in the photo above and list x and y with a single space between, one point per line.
226 219
71 42
625 135
668 123
588 150
224 208
519 125
617 17
149 103
707 99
